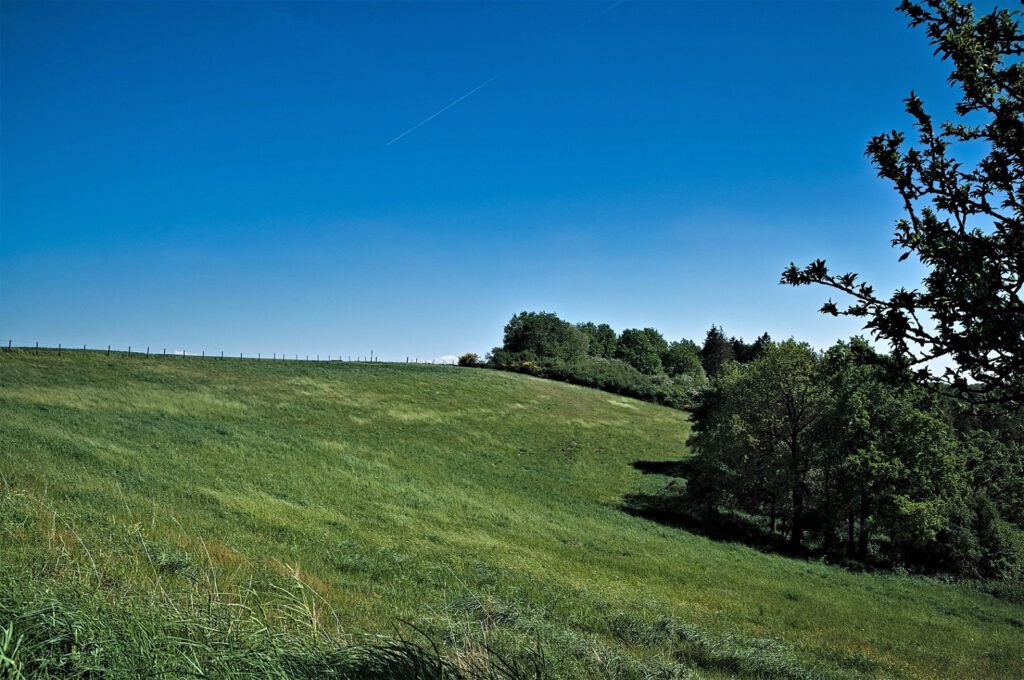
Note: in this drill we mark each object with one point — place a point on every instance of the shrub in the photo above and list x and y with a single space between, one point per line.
469 359
609 375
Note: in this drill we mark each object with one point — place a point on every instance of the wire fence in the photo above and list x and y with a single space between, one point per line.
152 352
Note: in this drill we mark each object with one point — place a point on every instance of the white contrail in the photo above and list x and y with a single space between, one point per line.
445 108
607 9
490 80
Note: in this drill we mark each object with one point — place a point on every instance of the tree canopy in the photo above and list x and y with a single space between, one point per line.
642 349
829 451
963 220
683 358
601 339
543 334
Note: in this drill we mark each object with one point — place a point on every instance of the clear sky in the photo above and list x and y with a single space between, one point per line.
209 176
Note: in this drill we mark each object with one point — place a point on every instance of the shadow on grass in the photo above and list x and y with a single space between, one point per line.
673 507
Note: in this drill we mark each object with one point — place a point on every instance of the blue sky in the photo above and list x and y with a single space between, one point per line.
218 176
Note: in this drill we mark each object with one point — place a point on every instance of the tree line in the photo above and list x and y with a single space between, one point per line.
638 362
838 453
887 458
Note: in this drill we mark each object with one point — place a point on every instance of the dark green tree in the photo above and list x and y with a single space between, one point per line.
994 441
606 341
760 345
642 349
760 433
844 451
888 457
544 335
601 339
716 352
964 220
683 358
589 331
741 351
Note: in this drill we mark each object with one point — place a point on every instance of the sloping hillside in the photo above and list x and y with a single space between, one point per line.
483 508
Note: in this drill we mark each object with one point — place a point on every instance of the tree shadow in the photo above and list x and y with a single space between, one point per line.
668 468
673 506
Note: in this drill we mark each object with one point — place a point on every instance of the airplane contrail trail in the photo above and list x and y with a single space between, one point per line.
492 79
446 107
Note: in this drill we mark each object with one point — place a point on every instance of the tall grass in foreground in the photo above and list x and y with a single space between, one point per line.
65 615
68 611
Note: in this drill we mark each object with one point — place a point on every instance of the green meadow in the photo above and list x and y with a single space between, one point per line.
188 517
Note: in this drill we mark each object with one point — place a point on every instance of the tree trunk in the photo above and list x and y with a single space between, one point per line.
851 526
796 536
829 528
862 540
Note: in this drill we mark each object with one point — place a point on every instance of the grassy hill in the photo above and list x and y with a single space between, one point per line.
186 516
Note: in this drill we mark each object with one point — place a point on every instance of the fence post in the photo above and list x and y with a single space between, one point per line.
108 350
37 347
129 350
222 354
147 350
58 349
9 345
203 354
